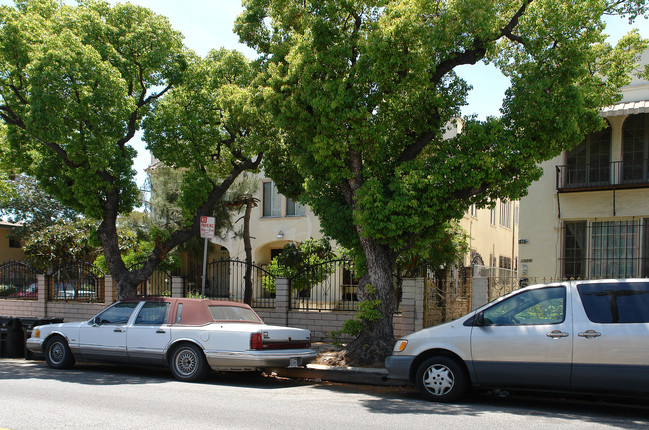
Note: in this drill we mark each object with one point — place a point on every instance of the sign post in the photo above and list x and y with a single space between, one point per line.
207 232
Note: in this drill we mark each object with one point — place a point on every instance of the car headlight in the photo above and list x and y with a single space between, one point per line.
36 333
400 345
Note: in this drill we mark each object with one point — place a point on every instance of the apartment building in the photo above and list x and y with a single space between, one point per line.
588 216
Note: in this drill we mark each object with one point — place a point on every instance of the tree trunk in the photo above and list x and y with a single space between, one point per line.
376 340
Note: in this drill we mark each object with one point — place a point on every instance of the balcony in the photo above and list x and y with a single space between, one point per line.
603 176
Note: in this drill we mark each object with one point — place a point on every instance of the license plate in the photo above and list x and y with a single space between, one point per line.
293 362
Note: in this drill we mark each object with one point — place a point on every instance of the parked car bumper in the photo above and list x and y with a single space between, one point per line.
223 360
399 367
35 345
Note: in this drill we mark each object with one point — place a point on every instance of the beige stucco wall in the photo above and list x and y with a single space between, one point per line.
265 231
7 253
540 226
492 239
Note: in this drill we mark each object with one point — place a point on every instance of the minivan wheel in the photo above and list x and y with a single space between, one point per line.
58 354
441 379
188 363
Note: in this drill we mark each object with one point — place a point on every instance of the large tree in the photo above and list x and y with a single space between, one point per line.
364 91
76 83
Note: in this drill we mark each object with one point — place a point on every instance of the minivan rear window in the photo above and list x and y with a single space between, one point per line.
616 303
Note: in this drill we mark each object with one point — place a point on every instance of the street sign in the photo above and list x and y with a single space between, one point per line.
207 227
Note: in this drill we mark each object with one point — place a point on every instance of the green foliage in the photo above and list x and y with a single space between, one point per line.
76 82
295 259
138 235
369 311
441 250
62 243
365 90
25 202
205 126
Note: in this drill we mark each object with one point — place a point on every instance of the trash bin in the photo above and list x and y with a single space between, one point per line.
15 339
3 335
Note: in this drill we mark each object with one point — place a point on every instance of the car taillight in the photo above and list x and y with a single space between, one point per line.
255 341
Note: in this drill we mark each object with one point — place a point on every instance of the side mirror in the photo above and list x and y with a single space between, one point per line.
478 320
96 321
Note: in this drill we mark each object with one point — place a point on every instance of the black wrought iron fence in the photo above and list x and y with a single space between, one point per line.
229 279
630 173
18 281
158 284
326 286
76 282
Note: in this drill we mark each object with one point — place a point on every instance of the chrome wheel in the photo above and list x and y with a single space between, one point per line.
188 363
58 354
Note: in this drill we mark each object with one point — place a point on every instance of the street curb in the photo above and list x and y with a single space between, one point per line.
350 375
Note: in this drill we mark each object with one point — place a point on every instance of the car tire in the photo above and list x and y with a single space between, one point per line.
188 363
441 379
57 353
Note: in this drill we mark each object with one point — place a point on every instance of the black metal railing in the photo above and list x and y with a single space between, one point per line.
616 174
327 286
158 284
18 281
76 282
228 280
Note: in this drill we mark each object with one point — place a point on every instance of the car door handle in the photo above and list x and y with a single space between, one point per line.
590 334
556 334
160 331
118 330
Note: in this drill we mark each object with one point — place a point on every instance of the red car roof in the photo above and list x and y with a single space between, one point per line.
194 311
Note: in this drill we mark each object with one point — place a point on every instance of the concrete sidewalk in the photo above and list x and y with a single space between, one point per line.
346 374
350 375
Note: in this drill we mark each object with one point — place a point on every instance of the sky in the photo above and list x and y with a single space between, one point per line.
207 24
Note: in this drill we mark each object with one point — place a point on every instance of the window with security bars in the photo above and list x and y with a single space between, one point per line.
606 249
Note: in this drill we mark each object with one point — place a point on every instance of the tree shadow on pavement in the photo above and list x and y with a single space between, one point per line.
119 374
613 412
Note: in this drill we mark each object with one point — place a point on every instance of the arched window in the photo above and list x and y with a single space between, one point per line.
589 163
635 151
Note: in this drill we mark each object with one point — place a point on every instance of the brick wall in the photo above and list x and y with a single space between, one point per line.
321 323
42 308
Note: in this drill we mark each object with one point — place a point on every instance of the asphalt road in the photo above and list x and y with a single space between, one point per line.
32 396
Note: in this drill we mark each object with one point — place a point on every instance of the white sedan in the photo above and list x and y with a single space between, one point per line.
188 335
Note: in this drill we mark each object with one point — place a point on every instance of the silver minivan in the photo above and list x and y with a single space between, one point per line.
583 336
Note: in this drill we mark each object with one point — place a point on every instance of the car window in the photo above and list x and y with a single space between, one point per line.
179 313
532 307
616 303
153 313
117 314
232 313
